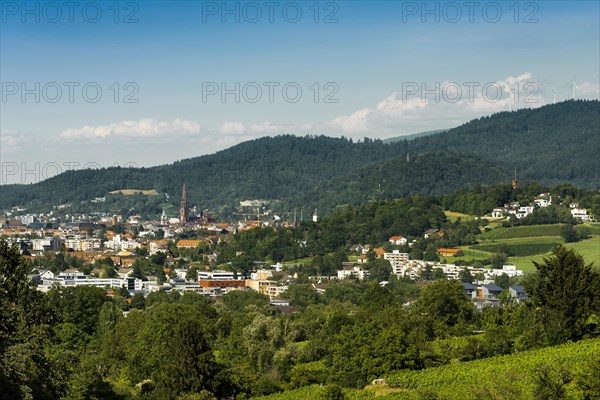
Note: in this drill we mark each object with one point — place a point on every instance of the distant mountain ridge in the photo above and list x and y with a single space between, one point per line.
550 144
413 136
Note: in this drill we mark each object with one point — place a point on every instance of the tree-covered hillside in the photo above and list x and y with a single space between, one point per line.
427 174
550 144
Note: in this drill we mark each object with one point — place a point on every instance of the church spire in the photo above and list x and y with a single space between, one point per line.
184 210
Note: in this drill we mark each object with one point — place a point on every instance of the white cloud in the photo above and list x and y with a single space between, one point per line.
587 90
232 128
353 123
266 127
403 112
138 129
11 138
262 128
269 128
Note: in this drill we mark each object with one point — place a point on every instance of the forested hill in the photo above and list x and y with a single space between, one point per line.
553 143
550 144
412 136
271 168
429 173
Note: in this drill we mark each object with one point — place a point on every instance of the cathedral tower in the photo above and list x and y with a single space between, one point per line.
184 210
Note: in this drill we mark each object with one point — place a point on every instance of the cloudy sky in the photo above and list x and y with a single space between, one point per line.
147 83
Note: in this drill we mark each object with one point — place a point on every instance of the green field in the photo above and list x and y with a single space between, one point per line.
131 192
303 261
487 378
520 247
471 255
589 249
453 216
526 244
501 377
516 232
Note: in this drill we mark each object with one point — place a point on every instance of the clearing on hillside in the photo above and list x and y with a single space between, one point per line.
131 192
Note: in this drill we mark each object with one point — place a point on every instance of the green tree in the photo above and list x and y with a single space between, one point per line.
156 298
445 301
465 275
498 260
427 273
173 349
333 392
301 295
568 233
79 305
191 274
141 251
502 280
380 270
238 300
137 270
25 369
438 274
549 383
138 301
89 381
568 294
243 265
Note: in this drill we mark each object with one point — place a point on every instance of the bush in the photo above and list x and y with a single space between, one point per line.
333 392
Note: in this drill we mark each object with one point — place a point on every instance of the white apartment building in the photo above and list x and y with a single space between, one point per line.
580 213
216 274
355 272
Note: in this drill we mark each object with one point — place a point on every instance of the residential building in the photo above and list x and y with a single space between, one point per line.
395 257
510 270
580 213
71 274
379 252
188 243
543 200
445 252
125 272
221 283
518 293
498 212
158 246
266 287
261 274
398 240
216 274
429 233
490 292
470 289
354 272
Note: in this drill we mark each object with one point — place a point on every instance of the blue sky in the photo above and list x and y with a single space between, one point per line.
366 61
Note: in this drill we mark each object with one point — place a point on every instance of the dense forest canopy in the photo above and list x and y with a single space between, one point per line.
76 342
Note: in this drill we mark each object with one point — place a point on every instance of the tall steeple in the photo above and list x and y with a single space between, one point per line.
163 217
515 182
184 210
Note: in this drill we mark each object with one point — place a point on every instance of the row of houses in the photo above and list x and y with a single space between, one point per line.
490 294
403 266
543 200
212 283
226 281
72 277
508 210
